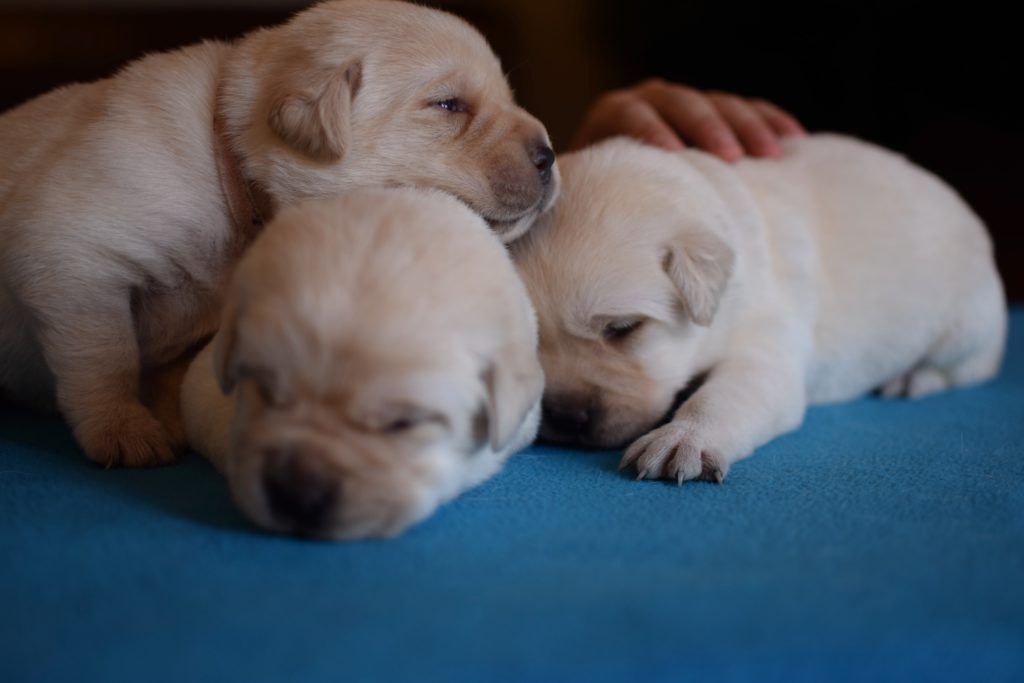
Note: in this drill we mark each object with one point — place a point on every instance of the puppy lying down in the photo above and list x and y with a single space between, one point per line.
839 269
379 356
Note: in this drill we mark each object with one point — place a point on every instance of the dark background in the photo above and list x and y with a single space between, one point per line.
938 83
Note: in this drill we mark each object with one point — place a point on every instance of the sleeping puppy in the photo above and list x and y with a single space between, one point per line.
381 357
836 270
124 203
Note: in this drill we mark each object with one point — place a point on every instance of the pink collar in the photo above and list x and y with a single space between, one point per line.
249 204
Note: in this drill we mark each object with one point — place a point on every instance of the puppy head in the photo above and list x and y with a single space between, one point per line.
383 352
627 273
375 92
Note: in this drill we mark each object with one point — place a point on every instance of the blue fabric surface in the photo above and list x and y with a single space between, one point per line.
883 541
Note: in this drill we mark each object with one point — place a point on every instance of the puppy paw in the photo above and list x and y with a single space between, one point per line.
128 437
918 382
675 451
169 417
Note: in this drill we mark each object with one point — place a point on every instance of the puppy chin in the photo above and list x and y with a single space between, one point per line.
510 230
386 523
288 480
356 519
599 439
620 428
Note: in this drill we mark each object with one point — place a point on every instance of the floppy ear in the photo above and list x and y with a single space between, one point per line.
233 362
699 264
513 386
315 120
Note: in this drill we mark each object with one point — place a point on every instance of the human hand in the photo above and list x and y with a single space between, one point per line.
675 116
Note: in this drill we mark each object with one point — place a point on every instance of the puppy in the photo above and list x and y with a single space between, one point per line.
381 357
838 269
125 202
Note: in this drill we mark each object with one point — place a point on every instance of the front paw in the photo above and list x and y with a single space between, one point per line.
675 451
128 436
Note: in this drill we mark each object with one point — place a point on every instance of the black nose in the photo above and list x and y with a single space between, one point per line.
543 157
565 418
300 492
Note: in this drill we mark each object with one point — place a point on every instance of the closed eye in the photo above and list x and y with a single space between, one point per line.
619 330
402 424
413 418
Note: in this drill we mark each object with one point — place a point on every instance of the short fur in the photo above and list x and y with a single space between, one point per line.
835 270
116 237
380 356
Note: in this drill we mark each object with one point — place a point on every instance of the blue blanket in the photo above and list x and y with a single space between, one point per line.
882 541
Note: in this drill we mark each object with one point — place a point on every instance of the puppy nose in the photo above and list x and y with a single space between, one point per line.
299 493
543 157
565 418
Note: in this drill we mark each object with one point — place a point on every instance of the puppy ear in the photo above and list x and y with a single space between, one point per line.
699 263
316 121
512 388
233 362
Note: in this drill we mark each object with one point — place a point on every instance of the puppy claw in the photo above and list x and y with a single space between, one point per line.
714 468
630 458
675 451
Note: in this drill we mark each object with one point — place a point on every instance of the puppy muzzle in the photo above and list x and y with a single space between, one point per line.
302 495
569 420
509 230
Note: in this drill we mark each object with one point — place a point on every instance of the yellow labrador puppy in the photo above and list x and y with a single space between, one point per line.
125 202
839 269
381 357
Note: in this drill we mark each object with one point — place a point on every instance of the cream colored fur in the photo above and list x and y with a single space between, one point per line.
380 357
838 269
115 235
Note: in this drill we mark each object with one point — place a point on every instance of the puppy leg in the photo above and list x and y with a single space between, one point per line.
160 392
928 379
969 353
91 348
920 381
747 400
